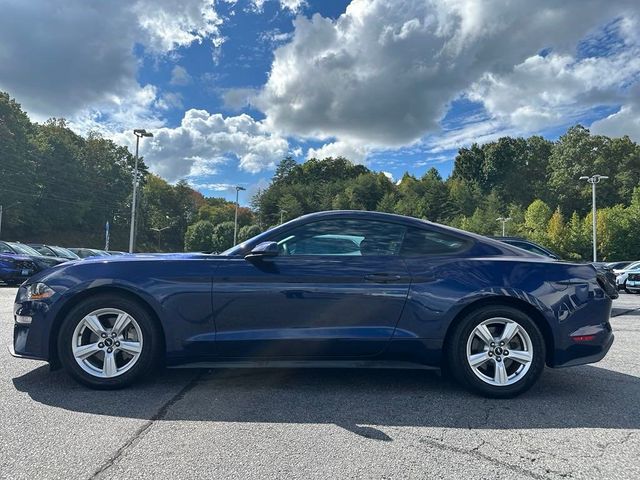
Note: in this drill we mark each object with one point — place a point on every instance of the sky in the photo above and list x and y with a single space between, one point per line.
230 87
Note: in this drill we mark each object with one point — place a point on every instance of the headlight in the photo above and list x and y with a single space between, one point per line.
39 291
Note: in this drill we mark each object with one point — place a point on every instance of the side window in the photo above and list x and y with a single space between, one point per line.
342 237
5 248
428 242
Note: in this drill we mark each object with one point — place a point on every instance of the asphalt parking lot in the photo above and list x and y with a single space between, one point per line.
575 423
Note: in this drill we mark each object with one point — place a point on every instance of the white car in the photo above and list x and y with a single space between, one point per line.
632 285
621 275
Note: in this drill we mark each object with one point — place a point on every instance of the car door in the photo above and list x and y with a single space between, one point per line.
336 289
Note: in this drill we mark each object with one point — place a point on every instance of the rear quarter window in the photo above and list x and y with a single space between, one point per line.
418 242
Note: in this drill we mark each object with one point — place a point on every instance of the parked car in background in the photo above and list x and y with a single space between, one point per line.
330 288
88 252
42 261
54 251
632 285
529 246
623 273
15 269
619 265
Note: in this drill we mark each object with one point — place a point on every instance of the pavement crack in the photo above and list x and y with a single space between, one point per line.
142 430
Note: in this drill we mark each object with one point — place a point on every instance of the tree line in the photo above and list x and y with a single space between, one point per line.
61 188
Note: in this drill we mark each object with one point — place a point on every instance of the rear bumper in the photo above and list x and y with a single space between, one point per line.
583 353
14 276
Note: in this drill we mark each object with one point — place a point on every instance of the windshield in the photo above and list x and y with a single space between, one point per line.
64 252
25 249
633 266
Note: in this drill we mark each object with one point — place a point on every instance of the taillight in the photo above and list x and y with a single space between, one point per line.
583 338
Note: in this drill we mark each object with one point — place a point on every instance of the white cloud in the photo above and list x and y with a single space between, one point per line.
204 140
624 122
556 89
216 187
80 54
293 6
383 74
351 151
167 24
180 76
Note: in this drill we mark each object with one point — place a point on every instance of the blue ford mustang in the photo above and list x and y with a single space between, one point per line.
328 289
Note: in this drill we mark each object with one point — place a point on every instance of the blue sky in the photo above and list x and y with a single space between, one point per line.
231 86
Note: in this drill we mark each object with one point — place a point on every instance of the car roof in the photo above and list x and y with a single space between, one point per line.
394 218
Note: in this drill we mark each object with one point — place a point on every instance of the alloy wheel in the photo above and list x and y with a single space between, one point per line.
107 342
499 351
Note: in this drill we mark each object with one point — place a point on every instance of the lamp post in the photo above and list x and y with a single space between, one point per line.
235 225
159 230
139 133
593 179
504 221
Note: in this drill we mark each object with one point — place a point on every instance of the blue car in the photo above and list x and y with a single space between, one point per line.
338 288
15 269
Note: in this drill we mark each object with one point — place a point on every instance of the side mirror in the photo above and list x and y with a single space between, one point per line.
263 250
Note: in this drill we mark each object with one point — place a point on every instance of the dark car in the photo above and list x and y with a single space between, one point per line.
88 252
414 294
529 246
54 251
15 269
42 262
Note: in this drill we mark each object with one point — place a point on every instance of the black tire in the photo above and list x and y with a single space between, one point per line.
456 352
149 357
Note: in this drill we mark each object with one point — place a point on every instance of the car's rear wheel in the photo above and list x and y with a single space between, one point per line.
497 351
108 342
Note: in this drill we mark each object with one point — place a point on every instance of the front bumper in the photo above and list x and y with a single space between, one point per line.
15 354
31 340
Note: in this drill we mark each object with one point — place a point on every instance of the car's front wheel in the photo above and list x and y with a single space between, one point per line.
497 351
108 342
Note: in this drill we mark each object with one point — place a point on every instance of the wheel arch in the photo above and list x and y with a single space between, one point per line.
84 295
505 301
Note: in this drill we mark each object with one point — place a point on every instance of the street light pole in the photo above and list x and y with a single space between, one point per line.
593 180
235 225
139 133
159 230
504 221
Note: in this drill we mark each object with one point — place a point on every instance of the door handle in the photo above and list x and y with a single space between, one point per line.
382 277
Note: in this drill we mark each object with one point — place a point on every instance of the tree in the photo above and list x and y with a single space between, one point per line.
247 232
536 219
556 234
199 237
223 236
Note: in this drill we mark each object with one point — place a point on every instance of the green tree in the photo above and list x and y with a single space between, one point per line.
536 219
223 236
247 232
200 237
